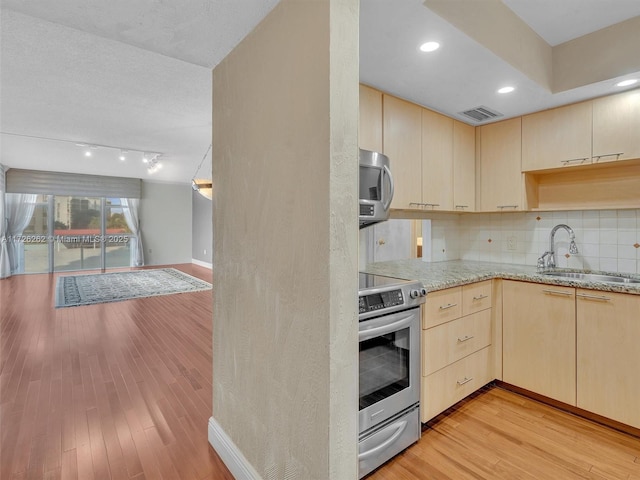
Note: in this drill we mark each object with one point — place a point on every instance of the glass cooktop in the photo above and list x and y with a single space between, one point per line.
367 280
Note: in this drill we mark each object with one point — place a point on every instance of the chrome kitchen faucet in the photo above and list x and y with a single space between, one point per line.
548 258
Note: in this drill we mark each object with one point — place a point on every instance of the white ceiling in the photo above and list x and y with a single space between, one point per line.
463 74
137 75
127 74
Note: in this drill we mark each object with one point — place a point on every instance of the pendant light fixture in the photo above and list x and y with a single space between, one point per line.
201 185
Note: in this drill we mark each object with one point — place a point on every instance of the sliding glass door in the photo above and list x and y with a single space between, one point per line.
68 233
77 232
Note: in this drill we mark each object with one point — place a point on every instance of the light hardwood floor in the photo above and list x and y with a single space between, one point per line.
118 390
498 434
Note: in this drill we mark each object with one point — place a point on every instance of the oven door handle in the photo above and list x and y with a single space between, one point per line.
399 428
388 328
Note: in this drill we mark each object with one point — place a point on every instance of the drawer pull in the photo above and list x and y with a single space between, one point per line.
465 338
602 298
558 292
447 306
464 380
480 297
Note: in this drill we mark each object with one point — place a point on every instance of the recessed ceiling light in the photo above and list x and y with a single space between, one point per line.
429 46
87 153
506 90
626 83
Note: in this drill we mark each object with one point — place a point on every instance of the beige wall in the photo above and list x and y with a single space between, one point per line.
285 235
598 56
494 25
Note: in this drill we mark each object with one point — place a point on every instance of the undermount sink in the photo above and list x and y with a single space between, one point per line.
592 277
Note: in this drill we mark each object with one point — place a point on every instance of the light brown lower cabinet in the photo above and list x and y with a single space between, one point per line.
576 346
454 340
608 355
451 384
539 339
457 337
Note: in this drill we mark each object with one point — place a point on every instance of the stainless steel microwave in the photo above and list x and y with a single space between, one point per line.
376 188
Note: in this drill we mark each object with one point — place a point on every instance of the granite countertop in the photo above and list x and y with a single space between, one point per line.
441 275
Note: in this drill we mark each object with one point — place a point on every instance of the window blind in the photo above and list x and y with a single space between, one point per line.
60 183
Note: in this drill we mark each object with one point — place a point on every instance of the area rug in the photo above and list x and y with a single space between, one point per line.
75 290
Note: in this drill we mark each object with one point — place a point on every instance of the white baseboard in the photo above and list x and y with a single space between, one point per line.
202 264
233 458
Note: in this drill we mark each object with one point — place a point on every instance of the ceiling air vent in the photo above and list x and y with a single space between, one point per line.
480 114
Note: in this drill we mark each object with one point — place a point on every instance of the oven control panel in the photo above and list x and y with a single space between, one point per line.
377 301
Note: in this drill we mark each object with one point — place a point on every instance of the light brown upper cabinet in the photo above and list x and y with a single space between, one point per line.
370 122
616 127
401 142
464 167
556 138
437 161
500 167
432 156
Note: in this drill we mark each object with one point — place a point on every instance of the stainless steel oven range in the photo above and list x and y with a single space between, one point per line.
389 364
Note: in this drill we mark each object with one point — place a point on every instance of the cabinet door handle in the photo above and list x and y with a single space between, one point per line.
602 298
462 206
617 155
423 205
480 297
465 338
464 380
502 207
558 292
575 160
447 306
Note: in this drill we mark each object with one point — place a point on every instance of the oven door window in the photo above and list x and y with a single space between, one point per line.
384 366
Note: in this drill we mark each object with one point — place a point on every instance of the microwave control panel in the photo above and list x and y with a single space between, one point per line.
367 210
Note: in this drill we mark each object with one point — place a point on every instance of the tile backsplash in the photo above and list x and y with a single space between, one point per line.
607 240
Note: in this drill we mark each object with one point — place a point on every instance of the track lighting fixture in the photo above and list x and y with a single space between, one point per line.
109 152
153 161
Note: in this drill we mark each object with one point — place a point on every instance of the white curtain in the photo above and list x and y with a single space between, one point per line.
19 210
5 266
133 221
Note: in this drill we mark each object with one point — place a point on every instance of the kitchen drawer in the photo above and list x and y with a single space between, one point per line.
476 297
445 387
451 341
442 306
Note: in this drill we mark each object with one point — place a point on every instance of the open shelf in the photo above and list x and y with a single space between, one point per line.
614 185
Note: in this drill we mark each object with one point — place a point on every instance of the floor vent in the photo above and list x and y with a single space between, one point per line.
480 114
